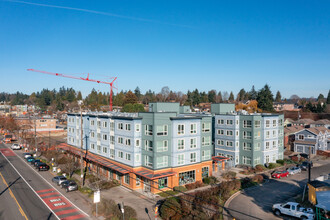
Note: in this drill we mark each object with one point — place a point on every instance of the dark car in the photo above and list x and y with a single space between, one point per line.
43 166
36 161
32 161
36 164
64 183
304 165
70 186
29 159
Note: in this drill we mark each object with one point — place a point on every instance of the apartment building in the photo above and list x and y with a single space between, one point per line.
165 147
247 139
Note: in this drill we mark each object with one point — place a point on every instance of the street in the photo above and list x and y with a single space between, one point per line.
28 195
257 202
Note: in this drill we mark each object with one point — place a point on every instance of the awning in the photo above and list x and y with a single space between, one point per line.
151 176
220 158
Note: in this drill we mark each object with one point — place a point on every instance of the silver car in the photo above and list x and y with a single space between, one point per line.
294 170
59 179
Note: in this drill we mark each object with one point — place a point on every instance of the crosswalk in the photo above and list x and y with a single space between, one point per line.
59 205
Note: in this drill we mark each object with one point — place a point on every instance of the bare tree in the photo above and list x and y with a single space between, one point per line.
165 93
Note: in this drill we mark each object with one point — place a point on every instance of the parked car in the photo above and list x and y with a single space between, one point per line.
29 159
59 179
294 170
15 147
64 183
71 186
42 166
26 155
304 165
293 209
35 162
280 174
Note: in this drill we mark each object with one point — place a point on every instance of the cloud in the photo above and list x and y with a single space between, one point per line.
99 13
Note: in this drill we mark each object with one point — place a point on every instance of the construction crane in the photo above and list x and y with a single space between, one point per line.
82 78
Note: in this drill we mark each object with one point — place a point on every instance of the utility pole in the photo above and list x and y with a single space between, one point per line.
35 133
49 139
309 164
81 144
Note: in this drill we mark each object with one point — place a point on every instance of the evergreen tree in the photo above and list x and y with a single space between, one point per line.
137 92
265 99
130 97
328 98
231 97
241 95
253 94
278 97
79 96
212 96
219 97
196 99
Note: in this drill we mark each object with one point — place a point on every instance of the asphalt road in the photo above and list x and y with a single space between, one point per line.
256 203
18 200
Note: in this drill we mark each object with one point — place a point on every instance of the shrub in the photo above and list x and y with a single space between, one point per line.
180 188
168 193
280 162
210 180
260 168
237 184
194 185
273 165
258 178
229 175
206 180
170 208
130 213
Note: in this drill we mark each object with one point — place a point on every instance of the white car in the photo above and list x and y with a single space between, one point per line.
293 209
294 170
15 147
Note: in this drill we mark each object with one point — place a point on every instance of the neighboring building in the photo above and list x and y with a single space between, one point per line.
289 136
321 123
288 122
4 109
303 122
167 145
279 106
248 139
317 138
41 124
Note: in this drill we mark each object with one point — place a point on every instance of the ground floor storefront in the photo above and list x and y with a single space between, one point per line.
144 179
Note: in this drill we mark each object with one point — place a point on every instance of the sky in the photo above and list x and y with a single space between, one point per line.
185 44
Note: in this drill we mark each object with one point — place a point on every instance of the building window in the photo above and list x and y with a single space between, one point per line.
206 141
267 159
274 157
137 158
274 144
274 123
180 144
126 178
247 135
280 122
221 121
229 143
267 145
246 160
301 137
257 124
105 137
180 159
92 134
138 180
148 129
137 143
162 161
181 129
128 141
92 122
148 161
193 142
274 134
229 122
112 126
257 146
162 130
267 123
98 123
220 142
128 127
137 127
229 133
98 148
220 132
162 146
105 124
247 124
112 153
247 146
120 126
192 157
148 145
206 154
205 172
120 140
105 150
118 176
128 156
193 128
120 154
267 134
112 139
187 177
92 146
206 127
257 161
162 182
257 135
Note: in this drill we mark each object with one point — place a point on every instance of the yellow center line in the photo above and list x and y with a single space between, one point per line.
12 195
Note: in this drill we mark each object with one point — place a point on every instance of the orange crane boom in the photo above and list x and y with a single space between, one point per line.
81 78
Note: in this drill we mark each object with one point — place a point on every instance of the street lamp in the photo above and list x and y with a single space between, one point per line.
122 210
81 141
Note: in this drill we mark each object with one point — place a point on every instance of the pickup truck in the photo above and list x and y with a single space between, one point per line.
293 209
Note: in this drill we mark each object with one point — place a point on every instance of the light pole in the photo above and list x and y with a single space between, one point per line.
81 142
123 210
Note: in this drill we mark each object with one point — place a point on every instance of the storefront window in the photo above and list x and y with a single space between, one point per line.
126 179
162 182
138 181
187 177
205 172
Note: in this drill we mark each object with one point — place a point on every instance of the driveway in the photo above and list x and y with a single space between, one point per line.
256 203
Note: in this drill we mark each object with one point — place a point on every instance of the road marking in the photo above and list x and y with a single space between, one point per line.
28 184
12 195
7 152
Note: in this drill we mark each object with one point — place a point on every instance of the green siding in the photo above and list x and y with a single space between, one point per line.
222 108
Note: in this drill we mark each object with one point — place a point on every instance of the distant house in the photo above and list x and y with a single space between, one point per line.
303 122
289 136
314 138
321 123
288 122
279 106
